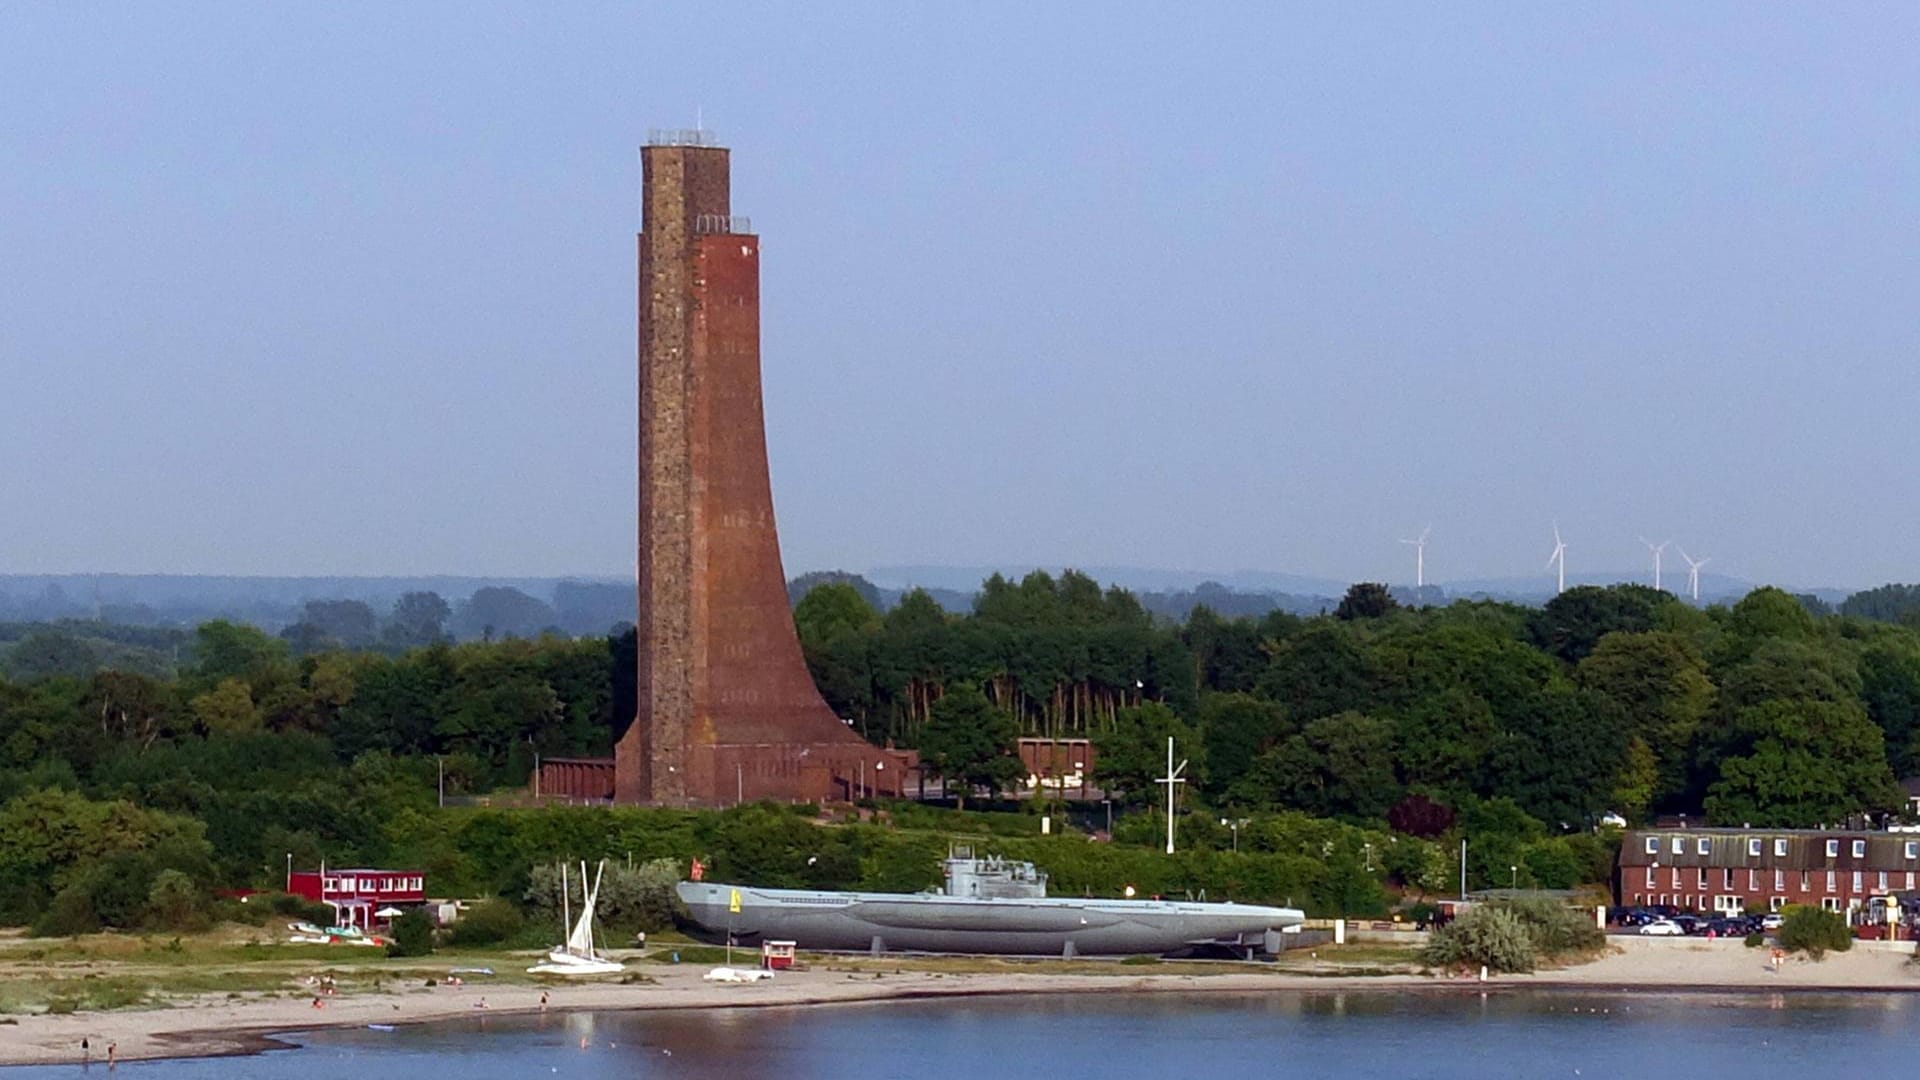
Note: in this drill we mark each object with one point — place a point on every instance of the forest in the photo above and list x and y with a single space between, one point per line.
1332 757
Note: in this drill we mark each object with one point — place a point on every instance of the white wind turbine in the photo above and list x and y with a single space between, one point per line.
1420 558
1559 556
1656 549
1693 573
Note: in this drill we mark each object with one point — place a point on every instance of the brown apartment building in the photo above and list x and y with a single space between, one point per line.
1732 870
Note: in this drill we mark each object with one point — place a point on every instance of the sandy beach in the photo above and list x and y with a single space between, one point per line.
213 1025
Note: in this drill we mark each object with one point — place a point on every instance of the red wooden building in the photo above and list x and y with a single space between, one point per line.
355 895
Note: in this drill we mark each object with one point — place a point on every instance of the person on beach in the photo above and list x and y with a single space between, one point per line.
86 1052
543 1001
113 1050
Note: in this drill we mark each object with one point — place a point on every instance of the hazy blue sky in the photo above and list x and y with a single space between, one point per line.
334 288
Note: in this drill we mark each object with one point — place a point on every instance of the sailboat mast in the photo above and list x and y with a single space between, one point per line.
566 913
600 871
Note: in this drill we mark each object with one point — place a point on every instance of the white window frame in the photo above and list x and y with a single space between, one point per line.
1779 847
1858 885
1649 877
1753 847
1833 849
1679 845
1833 880
1775 903
1703 846
1859 849
1653 846
1830 903
1883 880
1913 849
1753 879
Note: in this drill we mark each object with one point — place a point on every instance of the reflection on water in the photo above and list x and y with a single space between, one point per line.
1440 1035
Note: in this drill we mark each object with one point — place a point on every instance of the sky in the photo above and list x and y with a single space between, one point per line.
348 288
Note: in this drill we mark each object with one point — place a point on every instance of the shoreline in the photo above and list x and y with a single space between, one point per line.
217 1026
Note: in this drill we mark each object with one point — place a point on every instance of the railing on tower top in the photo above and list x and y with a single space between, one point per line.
681 137
707 224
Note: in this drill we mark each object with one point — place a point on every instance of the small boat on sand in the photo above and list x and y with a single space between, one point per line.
578 956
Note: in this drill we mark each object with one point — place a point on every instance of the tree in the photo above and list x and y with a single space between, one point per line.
1417 815
1659 681
1800 764
970 744
1888 603
44 654
418 619
1572 623
1337 766
1129 756
832 610
227 709
1236 729
1365 600
225 650
344 624
499 611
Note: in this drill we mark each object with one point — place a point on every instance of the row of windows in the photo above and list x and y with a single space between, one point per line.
1780 879
381 884
1731 904
1704 846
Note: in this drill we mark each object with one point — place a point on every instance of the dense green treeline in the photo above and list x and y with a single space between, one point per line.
1352 751
1607 700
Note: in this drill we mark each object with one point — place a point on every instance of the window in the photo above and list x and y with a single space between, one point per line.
1676 877
1776 903
1913 849
1779 847
1653 846
1857 884
1726 877
1779 880
1703 877
1679 845
1883 881
1833 848
1753 880
1831 903
1805 881
1753 847
1909 880
1649 877
1703 846
1832 879
1859 849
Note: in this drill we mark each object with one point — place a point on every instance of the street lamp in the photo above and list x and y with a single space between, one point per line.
1235 826
1108 803
1516 876
1369 847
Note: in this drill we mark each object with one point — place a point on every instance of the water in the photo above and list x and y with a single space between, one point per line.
1105 1036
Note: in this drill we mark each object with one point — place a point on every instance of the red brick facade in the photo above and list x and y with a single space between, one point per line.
1765 869
727 708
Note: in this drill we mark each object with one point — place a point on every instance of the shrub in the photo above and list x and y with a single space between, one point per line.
1814 931
412 934
1756 940
1487 935
297 908
638 899
1556 929
487 923
70 913
175 902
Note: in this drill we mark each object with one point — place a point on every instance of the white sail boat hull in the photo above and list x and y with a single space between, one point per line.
578 956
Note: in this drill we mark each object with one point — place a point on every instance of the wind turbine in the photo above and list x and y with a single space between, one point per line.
1420 558
1656 549
1559 556
1693 572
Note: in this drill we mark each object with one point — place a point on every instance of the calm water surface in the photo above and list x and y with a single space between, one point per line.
1100 1037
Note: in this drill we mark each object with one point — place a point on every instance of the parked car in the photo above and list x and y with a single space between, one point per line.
1770 921
1662 928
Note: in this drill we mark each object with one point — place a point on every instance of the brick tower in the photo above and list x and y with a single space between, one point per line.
727 708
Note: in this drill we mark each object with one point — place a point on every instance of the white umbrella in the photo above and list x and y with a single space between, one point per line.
388 913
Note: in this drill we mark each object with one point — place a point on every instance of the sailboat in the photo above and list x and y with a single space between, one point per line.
578 956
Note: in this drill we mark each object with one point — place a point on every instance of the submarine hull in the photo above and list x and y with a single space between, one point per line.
930 922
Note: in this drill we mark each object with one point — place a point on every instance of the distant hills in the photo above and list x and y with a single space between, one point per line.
524 606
